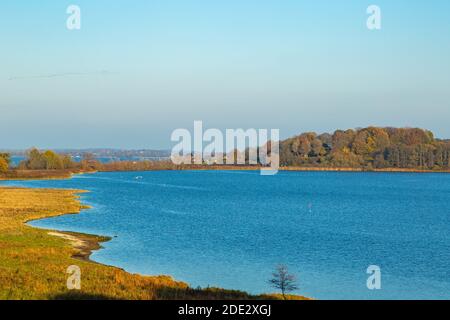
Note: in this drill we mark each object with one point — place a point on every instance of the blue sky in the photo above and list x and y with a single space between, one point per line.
137 70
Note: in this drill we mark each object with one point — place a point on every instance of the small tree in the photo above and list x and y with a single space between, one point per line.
67 162
3 166
52 160
6 157
283 280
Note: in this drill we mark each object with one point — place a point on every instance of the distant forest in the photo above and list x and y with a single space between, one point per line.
368 148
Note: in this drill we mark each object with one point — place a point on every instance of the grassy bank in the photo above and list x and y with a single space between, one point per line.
33 262
38 174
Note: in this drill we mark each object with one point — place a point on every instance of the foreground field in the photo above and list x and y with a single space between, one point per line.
33 262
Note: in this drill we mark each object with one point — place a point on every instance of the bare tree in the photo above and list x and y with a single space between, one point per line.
283 280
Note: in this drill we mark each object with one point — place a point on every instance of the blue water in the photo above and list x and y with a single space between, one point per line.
230 229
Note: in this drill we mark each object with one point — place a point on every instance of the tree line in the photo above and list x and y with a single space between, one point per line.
37 161
368 148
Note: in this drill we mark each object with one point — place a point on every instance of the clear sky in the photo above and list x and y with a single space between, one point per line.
137 70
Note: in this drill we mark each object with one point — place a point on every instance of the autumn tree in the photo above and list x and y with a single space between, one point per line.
343 139
4 165
52 160
6 157
368 148
301 146
35 160
48 160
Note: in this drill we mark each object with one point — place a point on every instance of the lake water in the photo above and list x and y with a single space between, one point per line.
231 228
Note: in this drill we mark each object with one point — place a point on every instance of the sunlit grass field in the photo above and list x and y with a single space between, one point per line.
33 264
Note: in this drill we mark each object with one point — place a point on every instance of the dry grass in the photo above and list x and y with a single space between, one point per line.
33 263
36 174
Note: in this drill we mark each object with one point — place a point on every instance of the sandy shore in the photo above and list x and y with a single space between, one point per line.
84 244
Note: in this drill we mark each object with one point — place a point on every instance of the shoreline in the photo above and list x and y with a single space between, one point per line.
31 175
65 246
83 243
